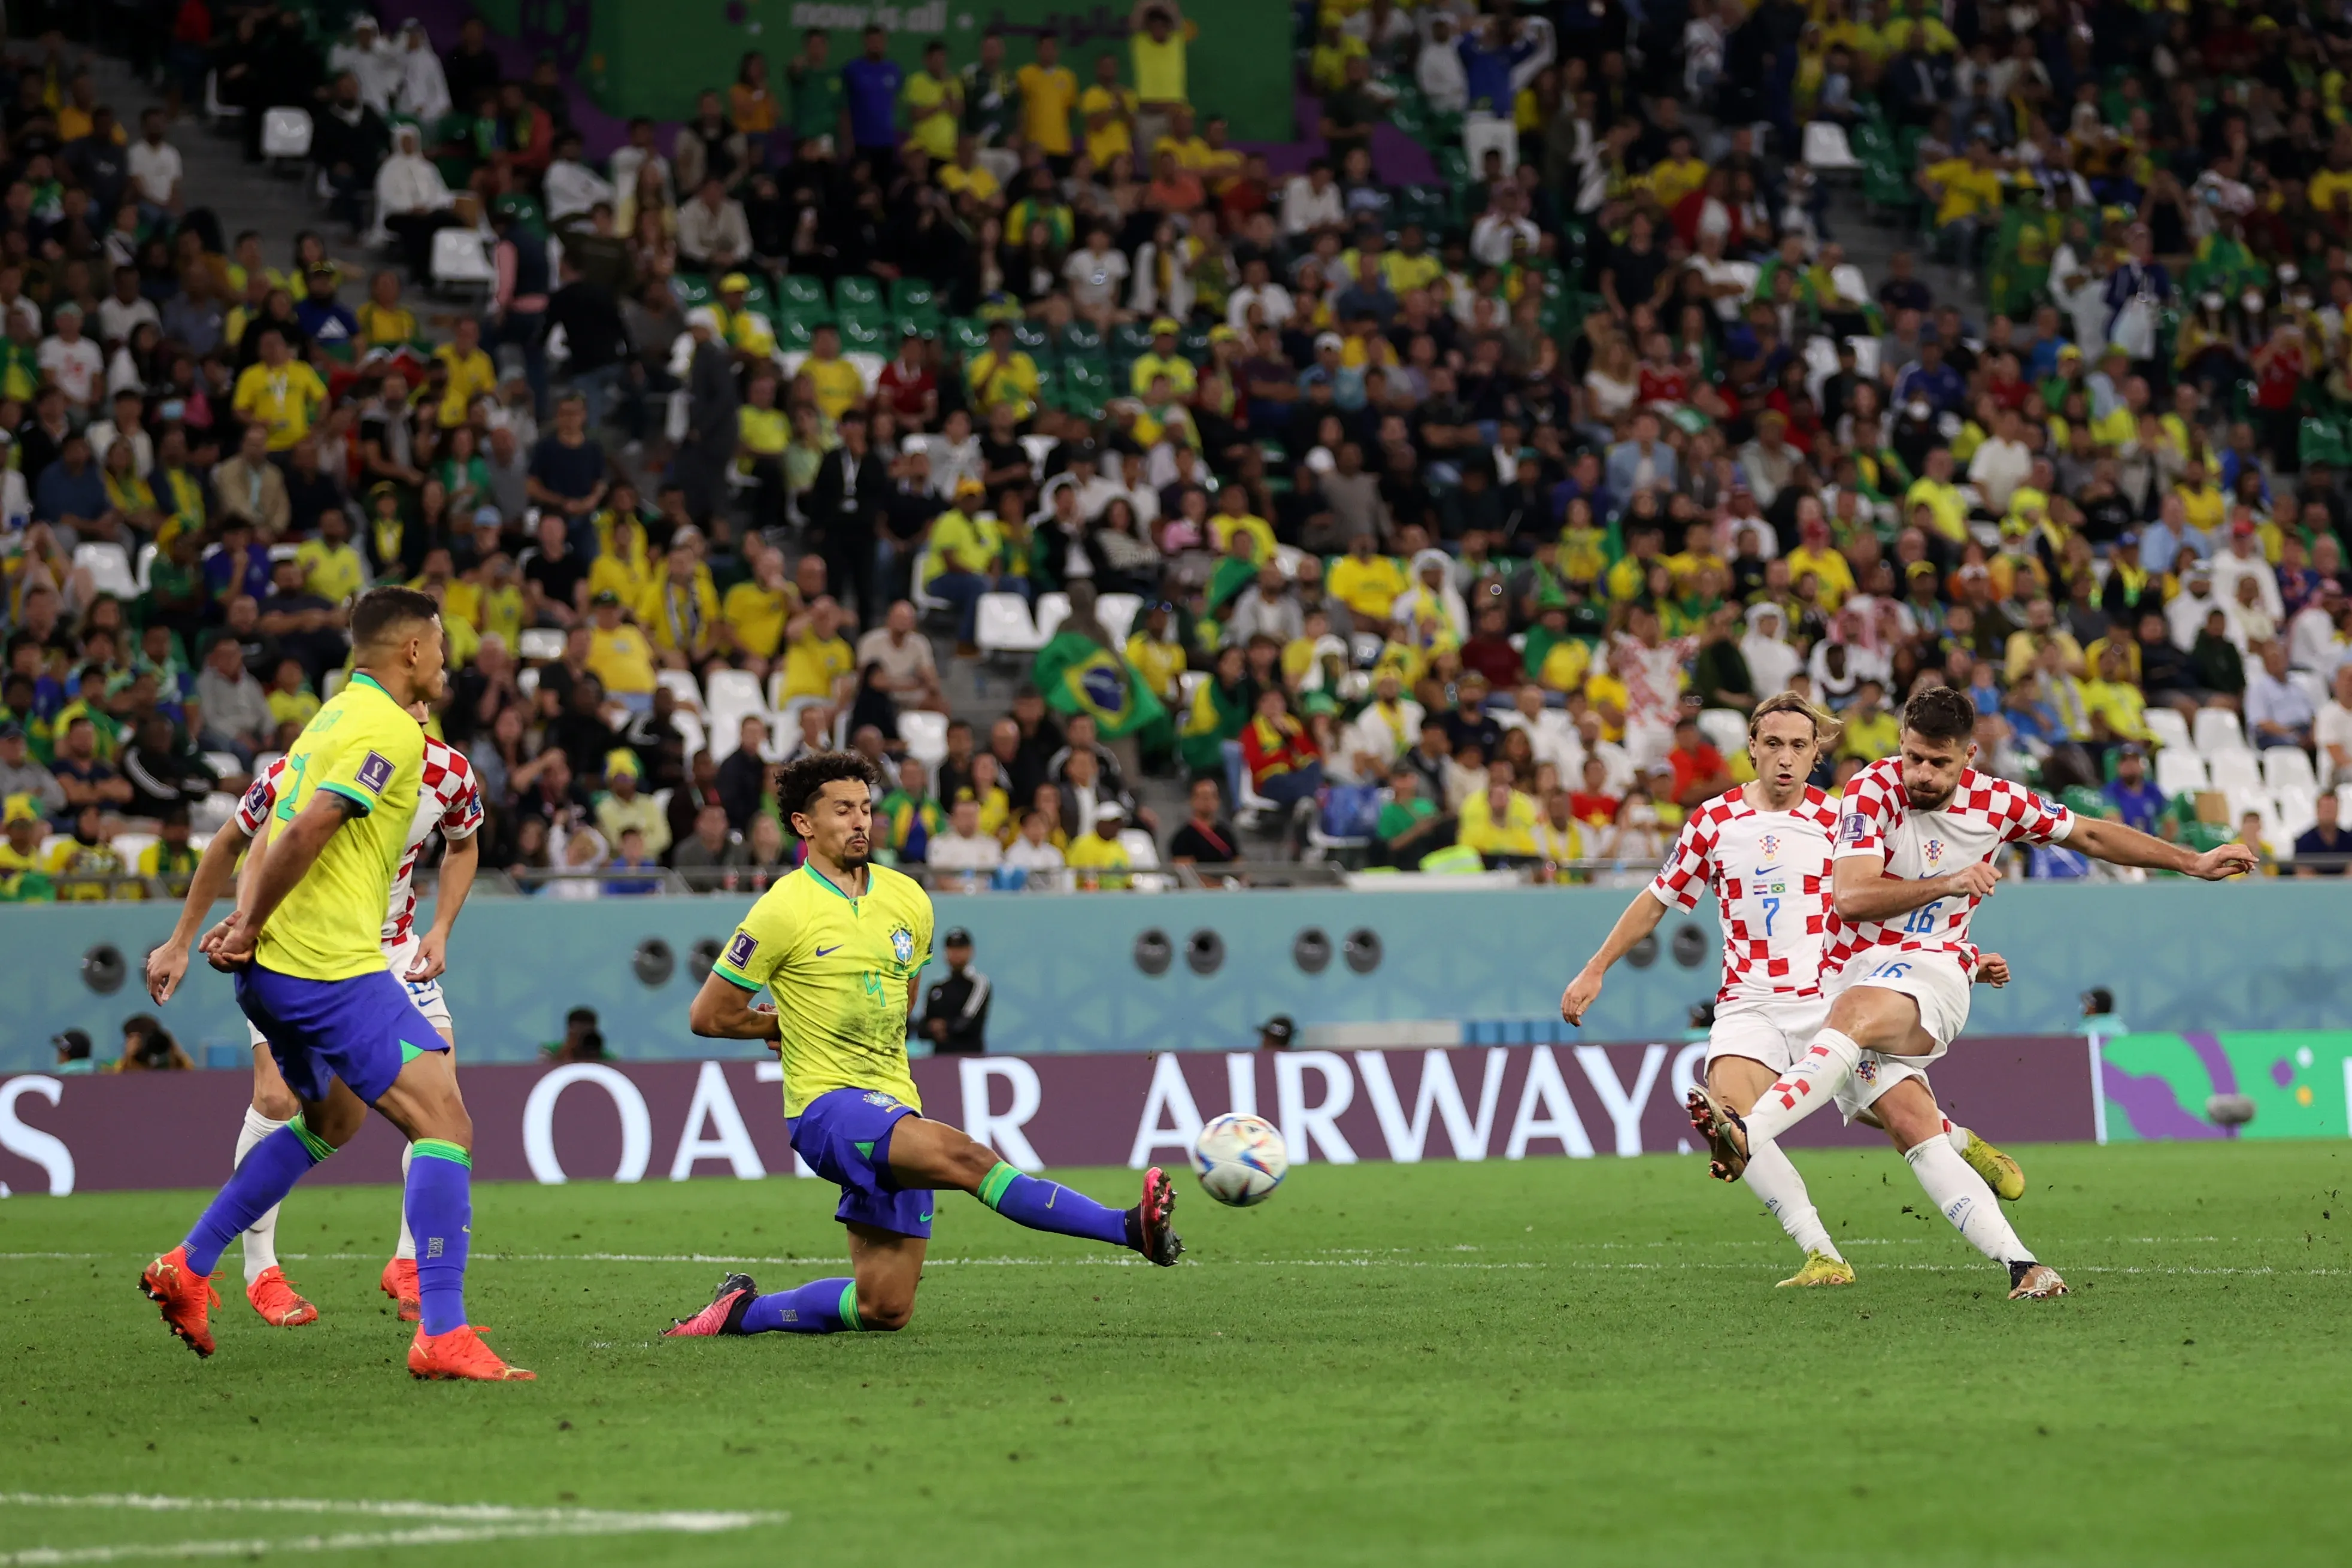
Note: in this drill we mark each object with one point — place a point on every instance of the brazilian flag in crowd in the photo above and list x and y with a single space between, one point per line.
1077 674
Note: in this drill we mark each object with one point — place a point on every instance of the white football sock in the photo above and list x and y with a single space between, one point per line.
261 1237
1955 1188
1825 1068
1776 1181
408 1248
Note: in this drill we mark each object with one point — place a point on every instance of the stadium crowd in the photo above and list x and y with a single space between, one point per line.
1426 522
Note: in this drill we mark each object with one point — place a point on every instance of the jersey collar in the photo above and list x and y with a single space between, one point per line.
363 679
833 887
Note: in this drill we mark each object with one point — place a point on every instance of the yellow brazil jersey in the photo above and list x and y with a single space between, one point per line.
621 659
955 179
334 572
758 615
839 969
381 328
933 107
1367 587
1182 377
470 376
1114 137
286 399
1047 97
836 384
363 747
813 665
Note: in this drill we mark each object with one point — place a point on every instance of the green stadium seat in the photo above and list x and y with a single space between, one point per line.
866 330
1081 338
690 290
856 293
1029 337
914 296
798 288
967 335
1193 343
1131 339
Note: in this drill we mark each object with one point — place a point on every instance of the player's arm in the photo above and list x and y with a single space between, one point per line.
723 1009
291 851
214 873
2119 846
460 858
1860 888
1641 918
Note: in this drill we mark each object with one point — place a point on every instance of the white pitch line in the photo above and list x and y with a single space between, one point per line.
454 1525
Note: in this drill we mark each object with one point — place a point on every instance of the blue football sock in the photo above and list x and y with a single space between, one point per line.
821 1306
1049 1206
440 1202
263 1179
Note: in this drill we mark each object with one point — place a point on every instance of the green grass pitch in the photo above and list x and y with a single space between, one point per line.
1544 1361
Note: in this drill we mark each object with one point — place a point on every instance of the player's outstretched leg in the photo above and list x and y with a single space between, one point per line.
934 1154
179 1282
1737 1081
266 1285
399 1277
1909 1112
437 1196
821 1306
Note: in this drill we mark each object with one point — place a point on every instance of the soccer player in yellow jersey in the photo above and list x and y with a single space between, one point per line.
305 947
839 946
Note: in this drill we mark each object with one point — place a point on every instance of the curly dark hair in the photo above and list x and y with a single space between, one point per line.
1940 713
797 782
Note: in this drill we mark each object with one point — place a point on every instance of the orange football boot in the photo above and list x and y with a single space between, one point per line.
399 1283
185 1296
273 1295
460 1355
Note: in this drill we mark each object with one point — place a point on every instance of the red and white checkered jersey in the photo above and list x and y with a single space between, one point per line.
1984 813
447 798
1770 873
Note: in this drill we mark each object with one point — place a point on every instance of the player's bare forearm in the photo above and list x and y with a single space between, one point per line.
2119 846
723 1011
1640 919
214 875
1860 889
459 861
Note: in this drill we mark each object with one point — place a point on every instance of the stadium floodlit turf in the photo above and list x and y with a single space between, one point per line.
1502 1363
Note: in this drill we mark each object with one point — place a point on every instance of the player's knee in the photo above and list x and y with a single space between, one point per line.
277 1103
885 1314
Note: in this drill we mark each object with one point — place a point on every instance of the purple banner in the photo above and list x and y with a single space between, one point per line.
673 1120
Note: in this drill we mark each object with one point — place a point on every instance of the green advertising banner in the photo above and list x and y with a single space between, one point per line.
641 57
2158 1086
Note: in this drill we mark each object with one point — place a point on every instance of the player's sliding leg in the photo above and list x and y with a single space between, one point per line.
877 1298
1738 1081
934 1154
179 1282
1907 1111
266 1285
437 1197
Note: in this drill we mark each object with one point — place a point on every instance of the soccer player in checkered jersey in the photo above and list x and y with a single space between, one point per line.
449 798
1916 843
1764 851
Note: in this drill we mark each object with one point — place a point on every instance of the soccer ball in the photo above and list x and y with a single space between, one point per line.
1240 1159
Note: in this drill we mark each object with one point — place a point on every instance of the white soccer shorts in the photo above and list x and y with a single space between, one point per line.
1778 1032
425 994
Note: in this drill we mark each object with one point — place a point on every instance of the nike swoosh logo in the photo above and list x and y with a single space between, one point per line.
1765 870
927 1216
825 952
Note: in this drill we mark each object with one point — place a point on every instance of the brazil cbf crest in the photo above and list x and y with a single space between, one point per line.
902 944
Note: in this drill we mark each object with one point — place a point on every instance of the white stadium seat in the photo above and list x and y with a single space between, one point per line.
540 644
1141 853
926 735
2286 768
1003 624
286 132
1053 609
737 690
2168 727
2237 773
1826 147
461 259
1117 611
2179 772
109 566
690 730
682 686
1725 728
2217 731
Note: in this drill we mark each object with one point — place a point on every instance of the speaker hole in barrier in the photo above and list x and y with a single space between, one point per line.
1642 953
655 962
1688 946
1205 952
103 969
1362 950
1312 951
1154 952
701 956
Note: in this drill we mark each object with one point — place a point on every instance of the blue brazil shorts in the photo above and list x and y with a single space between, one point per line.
844 1135
363 1030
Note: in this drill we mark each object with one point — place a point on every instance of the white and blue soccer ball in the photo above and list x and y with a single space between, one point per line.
1240 1159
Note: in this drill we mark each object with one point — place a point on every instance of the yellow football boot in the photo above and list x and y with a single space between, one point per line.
1820 1269
2001 1172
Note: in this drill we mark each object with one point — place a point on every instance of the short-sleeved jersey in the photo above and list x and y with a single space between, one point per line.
363 747
1984 813
838 968
1770 873
447 797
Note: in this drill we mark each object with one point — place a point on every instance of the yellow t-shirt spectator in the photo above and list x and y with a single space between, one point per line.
334 572
1221 528
1158 68
296 708
470 376
2205 504
679 616
621 659
382 327
1514 834
757 616
836 384
286 399
1832 575
1012 379
811 665
1099 861
764 431
623 574
955 179
1407 273
964 543
932 109
1608 696
1114 137
1967 190
1181 376
1565 665
1880 734
1046 97
1368 588
1950 508
1159 664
